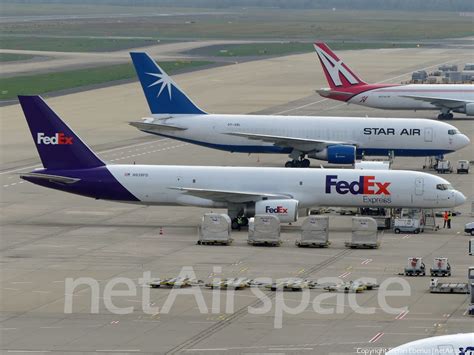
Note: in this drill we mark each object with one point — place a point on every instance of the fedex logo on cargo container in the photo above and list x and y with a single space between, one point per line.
365 186
278 209
57 139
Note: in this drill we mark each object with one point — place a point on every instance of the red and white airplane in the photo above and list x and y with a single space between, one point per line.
345 85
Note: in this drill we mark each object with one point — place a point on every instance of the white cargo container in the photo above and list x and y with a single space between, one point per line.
471 246
264 229
215 229
364 233
314 232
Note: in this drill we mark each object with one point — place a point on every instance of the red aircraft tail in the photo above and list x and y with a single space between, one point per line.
338 75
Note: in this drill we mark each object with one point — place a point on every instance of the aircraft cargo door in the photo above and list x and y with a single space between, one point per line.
419 186
428 134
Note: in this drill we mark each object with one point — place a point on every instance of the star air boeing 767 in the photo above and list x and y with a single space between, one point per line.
345 85
71 166
338 140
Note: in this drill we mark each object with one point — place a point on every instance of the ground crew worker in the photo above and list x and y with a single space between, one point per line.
240 221
445 218
450 216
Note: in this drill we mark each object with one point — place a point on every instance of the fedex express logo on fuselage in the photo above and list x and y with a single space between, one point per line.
365 186
57 139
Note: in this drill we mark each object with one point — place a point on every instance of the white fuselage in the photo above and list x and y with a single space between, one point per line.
158 185
395 97
371 136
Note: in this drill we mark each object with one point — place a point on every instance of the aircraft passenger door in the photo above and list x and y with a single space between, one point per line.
419 185
428 134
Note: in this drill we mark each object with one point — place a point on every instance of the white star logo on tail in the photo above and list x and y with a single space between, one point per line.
164 80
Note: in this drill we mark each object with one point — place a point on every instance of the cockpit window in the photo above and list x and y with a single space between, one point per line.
444 187
452 132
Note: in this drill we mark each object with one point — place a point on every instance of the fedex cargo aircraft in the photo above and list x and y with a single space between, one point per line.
346 86
338 140
71 166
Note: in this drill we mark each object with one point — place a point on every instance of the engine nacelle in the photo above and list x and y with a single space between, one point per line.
285 210
337 154
469 109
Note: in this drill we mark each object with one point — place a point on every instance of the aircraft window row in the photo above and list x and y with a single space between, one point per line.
452 132
444 187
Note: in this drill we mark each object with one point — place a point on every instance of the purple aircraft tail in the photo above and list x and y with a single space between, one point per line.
58 146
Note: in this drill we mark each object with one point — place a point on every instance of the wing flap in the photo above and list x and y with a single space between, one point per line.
439 101
228 195
302 144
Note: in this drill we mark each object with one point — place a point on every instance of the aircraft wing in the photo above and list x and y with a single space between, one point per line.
230 196
52 178
439 101
155 127
301 144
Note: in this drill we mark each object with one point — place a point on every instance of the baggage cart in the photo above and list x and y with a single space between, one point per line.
415 267
441 267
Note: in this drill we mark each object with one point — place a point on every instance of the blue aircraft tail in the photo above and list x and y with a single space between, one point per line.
58 146
161 92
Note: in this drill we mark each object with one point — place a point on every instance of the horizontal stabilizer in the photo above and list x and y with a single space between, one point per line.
229 196
51 178
155 127
328 92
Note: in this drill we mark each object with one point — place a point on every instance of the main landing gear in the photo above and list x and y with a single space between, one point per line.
298 160
297 163
239 222
237 215
445 116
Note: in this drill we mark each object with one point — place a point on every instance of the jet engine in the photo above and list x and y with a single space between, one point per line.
285 210
469 109
337 154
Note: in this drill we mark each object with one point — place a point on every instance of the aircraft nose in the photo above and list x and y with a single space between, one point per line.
459 198
462 141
